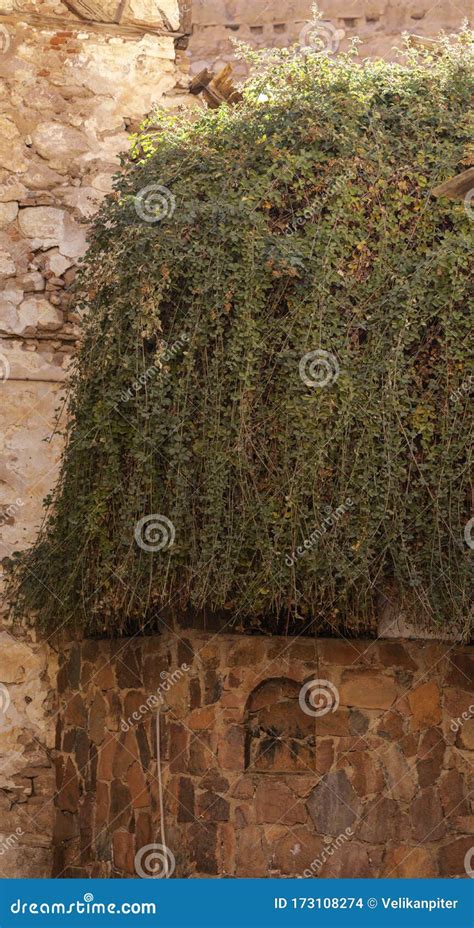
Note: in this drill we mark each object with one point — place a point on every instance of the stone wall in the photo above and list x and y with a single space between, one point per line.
71 93
258 782
377 24
27 782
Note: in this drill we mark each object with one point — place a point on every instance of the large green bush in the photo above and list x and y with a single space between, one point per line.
299 221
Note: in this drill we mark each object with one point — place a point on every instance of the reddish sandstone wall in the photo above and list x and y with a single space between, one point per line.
253 785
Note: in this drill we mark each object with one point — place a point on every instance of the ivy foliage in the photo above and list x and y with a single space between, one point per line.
299 221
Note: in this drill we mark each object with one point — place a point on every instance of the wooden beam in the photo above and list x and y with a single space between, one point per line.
73 25
121 9
423 41
457 187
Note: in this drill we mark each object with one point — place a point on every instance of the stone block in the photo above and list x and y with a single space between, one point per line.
333 804
405 862
425 705
275 802
368 690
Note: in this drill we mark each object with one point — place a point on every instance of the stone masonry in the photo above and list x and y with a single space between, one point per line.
71 94
379 785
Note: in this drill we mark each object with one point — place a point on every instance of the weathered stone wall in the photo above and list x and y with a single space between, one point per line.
27 705
254 785
378 25
71 93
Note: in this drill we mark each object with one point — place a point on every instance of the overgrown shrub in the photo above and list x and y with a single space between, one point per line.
300 221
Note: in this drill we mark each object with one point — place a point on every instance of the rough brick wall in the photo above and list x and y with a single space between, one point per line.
253 785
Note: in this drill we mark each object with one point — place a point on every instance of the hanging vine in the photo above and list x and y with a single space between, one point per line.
274 357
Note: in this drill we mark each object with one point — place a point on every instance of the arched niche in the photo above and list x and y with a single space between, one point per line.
279 735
